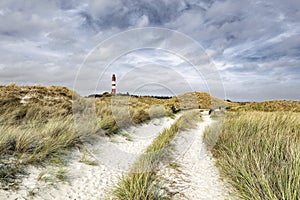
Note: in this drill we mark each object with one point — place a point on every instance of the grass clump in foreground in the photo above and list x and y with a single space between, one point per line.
259 153
36 127
20 146
141 182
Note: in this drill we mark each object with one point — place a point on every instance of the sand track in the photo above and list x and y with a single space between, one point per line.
193 175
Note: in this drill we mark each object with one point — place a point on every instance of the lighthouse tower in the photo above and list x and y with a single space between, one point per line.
113 84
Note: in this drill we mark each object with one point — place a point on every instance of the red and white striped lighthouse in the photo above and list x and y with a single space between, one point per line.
113 84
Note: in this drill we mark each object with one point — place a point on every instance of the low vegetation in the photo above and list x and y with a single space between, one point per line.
141 182
259 153
40 124
198 99
269 106
37 123
53 175
257 147
119 112
29 104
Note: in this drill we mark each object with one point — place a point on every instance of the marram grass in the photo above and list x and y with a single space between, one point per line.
259 153
37 123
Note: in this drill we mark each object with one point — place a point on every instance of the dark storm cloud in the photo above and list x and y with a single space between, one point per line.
254 44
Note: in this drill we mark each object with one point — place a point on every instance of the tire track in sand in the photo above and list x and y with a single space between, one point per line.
193 175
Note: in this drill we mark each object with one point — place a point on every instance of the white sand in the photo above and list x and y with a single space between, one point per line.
23 99
113 156
195 177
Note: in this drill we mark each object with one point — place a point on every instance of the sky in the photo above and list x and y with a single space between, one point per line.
242 50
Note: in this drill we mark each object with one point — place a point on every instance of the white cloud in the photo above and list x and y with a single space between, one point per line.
142 22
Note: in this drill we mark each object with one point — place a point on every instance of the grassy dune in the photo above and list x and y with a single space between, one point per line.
36 125
259 152
196 99
37 122
141 182
119 112
269 106
131 110
29 104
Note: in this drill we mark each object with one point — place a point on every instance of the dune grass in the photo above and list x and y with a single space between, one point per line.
46 143
119 112
36 126
141 182
40 124
259 153
269 106
37 123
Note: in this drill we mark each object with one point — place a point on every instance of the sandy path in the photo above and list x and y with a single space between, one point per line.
193 175
113 156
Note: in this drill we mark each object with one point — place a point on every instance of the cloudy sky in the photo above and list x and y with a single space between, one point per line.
252 45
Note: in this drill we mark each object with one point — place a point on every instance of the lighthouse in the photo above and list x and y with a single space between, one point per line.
113 84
